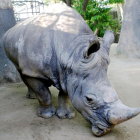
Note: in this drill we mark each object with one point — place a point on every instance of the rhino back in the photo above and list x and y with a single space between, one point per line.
36 44
68 27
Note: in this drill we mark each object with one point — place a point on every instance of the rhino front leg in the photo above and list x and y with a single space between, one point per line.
38 86
64 110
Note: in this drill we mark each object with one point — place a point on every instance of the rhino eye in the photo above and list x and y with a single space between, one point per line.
90 100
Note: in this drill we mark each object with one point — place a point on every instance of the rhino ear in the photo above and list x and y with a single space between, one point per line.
108 39
94 47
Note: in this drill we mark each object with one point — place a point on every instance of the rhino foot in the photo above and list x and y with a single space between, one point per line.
46 112
66 113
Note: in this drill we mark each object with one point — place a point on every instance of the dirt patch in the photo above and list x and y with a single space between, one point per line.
18 119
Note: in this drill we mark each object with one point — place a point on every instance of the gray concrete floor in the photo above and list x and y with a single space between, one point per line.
18 119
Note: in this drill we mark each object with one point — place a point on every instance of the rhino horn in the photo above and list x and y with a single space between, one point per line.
120 113
108 39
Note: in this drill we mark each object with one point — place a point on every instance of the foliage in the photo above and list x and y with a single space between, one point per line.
116 1
97 15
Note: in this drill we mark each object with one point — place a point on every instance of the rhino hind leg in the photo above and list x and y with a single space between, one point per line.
65 110
39 87
30 94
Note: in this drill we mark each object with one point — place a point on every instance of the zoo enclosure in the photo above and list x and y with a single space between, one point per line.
26 9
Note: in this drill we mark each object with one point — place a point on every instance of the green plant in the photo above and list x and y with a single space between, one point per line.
97 15
116 1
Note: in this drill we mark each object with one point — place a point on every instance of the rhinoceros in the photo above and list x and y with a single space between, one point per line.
58 48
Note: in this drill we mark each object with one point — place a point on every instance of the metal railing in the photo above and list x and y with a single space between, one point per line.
26 9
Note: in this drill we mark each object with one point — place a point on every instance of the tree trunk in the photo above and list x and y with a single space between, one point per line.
85 5
8 72
118 13
129 42
69 2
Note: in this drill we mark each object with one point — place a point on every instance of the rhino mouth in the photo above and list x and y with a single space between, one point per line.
100 125
100 129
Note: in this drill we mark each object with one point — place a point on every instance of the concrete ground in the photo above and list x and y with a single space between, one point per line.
18 119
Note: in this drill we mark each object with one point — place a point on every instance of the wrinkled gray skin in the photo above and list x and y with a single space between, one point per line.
58 48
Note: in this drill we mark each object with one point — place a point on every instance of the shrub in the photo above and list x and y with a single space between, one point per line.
97 15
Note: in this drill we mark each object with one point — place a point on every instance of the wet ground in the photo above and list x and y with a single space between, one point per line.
18 119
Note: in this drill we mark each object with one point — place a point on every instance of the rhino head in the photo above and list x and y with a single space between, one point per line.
91 92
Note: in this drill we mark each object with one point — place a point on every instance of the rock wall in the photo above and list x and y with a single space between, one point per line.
129 42
8 72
